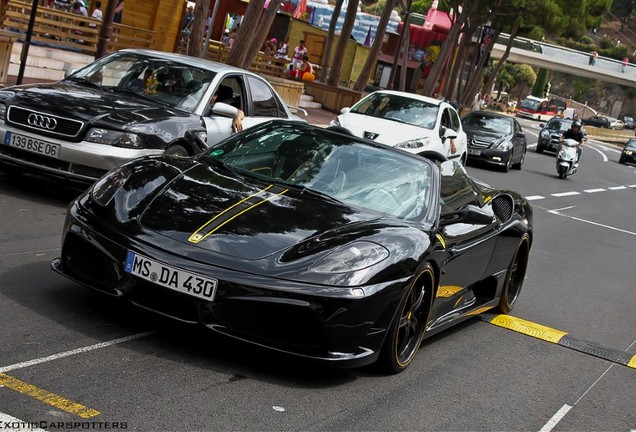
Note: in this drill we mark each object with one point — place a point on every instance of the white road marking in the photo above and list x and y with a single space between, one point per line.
556 418
600 152
535 197
73 352
632 186
563 194
607 148
617 187
563 208
557 212
594 190
20 425
532 133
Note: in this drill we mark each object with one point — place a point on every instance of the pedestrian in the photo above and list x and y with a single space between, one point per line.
188 18
283 49
79 9
231 39
97 12
299 55
119 12
625 63
225 39
593 56
477 102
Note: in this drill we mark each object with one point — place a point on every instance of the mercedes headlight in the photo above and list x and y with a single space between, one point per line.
352 257
114 138
416 143
105 189
3 111
502 144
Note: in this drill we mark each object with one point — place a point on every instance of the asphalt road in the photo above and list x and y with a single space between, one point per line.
73 360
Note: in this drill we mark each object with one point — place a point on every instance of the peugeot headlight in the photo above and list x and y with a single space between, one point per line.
416 143
544 134
105 189
335 122
3 111
352 257
114 138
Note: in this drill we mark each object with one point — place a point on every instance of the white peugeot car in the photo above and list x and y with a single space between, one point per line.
405 120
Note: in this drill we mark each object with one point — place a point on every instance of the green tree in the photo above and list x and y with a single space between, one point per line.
539 84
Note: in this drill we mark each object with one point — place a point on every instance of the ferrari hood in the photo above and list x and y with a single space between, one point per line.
385 131
244 218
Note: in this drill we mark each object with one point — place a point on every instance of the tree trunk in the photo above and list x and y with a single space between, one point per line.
405 52
505 55
447 48
343 40
456 71
326 55
259 36
374 52
478 76
195 49
244 37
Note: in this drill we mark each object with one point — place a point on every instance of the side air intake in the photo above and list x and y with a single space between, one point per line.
503 206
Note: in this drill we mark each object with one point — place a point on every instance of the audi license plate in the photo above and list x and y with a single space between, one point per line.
170 277
474 152
33 145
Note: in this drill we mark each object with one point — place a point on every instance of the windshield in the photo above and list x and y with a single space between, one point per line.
399 108
175 84
628 119
529 104
631 144
353 173
494 124
559 125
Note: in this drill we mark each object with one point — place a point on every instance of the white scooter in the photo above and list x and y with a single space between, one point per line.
566 163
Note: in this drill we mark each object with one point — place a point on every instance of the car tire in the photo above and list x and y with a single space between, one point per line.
621 161
177 150
515 276
409 324
519 164
540 148
508 164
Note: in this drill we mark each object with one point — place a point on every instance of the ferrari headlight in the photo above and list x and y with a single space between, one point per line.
3 111
105 189
114 138
544 134
416 143
352 257
335 122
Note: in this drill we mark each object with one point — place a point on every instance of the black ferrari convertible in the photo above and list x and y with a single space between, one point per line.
303 240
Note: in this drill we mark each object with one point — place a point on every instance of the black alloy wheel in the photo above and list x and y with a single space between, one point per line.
519 164
508 164
515 276
407 330
177 150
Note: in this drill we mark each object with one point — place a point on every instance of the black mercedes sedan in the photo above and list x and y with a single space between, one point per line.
628 155
495 139
303 240
129 104
551 134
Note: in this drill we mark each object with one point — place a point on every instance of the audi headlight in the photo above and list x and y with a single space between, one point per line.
105 189
544 134
3 111
416 143
114 138
335 122
352 257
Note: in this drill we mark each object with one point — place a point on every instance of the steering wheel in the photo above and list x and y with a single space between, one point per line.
391 196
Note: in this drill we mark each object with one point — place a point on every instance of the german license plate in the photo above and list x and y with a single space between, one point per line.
32 145
170 277
474 152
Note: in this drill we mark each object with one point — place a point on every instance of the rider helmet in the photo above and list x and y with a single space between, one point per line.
576 124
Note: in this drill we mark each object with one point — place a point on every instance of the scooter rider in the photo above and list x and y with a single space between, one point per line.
576 134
